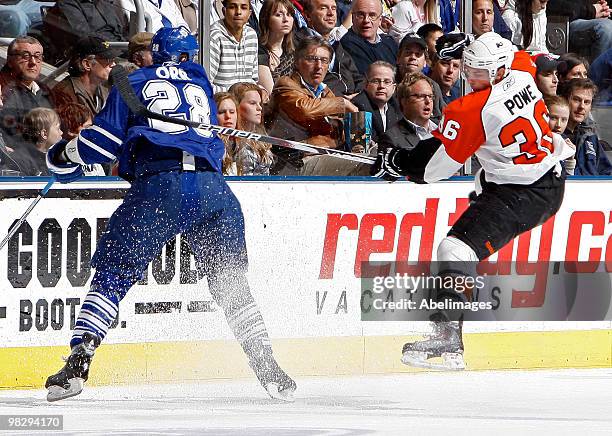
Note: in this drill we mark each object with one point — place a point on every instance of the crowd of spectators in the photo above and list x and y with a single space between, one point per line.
296 69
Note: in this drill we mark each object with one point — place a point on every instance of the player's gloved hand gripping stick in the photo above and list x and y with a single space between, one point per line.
120 80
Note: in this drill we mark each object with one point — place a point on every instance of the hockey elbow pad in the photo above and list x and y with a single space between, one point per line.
63 170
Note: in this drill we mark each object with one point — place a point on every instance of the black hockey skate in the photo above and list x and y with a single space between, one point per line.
445 342
69 381
273 379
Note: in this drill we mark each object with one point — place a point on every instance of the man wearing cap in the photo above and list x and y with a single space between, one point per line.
139 49
412 58
546 74
90 66
446 64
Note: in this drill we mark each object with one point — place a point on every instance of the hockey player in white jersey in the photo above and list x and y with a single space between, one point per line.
521 184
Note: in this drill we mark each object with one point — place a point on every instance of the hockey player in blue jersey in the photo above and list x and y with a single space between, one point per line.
177 187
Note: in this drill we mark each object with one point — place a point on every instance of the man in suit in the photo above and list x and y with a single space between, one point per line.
416 97
377 98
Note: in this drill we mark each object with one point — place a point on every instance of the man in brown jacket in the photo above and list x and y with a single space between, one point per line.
90 67
304 109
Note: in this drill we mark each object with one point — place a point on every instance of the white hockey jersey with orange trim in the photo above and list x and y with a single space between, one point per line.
505 126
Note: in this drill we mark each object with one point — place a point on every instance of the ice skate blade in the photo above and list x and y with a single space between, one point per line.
450 361
56 393
285 395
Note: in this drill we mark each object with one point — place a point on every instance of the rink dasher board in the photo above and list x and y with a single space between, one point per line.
307 287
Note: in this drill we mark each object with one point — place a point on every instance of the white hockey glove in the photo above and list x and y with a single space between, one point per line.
63 170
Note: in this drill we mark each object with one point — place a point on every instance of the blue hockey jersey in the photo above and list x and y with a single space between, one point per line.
175 90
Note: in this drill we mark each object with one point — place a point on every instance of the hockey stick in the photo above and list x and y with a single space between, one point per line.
14 228
120 80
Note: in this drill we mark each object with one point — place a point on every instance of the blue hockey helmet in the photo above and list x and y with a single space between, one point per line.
171 44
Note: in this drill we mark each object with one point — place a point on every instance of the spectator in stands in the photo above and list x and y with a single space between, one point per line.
590 156
587 16
7 165
20 91
411 58
449 15
430 32
302 105
90 65
189 11
233 47
253 158
227 109
601 73
41 129
546 74
487 17
415 95
342 76
158 13
558 111
73 118
527 21
363 42
445 72
410 15
377 98
70 20
482 17
227 116
558 116
571 66
446 64
139 49
275 55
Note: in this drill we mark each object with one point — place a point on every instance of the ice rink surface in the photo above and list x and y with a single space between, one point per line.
558 402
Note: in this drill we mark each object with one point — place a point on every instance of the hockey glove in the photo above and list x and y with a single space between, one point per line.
63 170
385 166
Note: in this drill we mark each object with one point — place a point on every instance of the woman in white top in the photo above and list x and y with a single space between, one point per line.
409 15
527 21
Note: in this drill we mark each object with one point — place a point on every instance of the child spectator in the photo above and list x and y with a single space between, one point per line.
275 53
558 116
41 129
233 47
253 158
227 116
74 117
